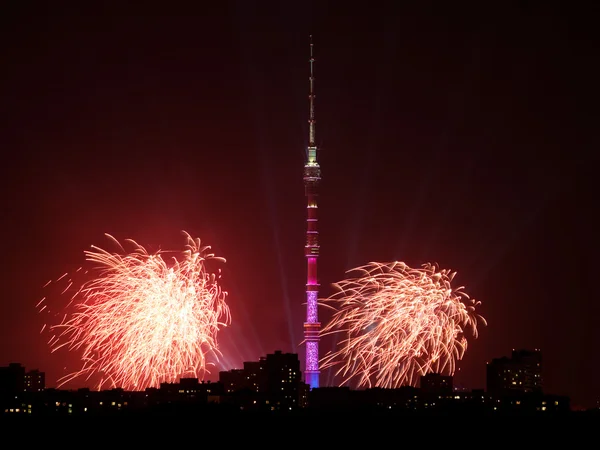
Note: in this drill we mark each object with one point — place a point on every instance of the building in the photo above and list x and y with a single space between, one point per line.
232 380
436 384
312 178
35 381
273 382
521 373
252 377
12 378
283 380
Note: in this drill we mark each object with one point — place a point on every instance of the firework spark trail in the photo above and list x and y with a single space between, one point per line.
141 321
398 323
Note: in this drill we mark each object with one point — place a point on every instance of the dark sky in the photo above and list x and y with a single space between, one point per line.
450 135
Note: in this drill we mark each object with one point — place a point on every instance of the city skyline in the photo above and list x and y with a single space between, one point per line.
457 137
526 366
274 384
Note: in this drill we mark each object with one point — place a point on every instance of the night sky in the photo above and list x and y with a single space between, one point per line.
447 135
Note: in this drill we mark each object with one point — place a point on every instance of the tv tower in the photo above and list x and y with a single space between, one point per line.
312 176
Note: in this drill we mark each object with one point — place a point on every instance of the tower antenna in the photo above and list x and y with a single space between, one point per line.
311 97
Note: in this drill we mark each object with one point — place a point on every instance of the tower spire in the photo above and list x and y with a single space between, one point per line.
311 97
